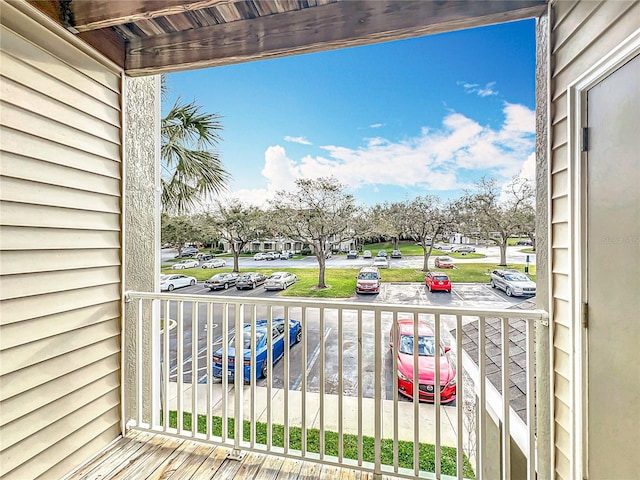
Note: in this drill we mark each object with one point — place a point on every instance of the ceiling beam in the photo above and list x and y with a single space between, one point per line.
336 25
96 15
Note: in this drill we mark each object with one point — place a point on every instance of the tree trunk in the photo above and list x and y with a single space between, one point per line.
321 263
236 259
503 253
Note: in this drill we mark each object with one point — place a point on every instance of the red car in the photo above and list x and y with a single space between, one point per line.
444 262
426 363
437 281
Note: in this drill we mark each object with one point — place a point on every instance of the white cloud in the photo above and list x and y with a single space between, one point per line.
487 90
300 140
437 159
376 125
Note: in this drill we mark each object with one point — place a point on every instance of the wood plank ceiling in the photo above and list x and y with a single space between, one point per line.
157 36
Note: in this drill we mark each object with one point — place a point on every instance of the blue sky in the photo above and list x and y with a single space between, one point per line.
391 121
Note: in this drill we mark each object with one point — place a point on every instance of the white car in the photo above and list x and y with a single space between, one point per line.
259 256
513 283
169 282
381 262
280 280
185 264
463 249
215 263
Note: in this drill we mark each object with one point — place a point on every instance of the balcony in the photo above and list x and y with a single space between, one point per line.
332 400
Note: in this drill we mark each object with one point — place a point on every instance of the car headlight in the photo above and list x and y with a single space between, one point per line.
451 382
404 377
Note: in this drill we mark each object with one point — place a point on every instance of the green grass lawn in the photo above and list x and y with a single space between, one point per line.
426 451
409 248
342 281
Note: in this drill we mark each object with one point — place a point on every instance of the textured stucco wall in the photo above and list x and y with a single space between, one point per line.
543 376
141 111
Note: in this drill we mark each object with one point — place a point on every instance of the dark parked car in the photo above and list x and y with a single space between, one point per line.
250 280
382 253
352 254
188 252
221 281
396 254
259 350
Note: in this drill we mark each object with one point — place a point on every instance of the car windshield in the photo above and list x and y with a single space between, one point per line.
368 276
445 259
275 277
426 345
440 277
516 277
246 339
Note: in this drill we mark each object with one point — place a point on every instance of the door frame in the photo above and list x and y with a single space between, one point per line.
576 121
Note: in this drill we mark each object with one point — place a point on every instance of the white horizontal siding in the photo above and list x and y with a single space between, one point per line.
60 249
21 261
582 33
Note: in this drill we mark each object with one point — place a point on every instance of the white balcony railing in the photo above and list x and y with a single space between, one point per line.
334 396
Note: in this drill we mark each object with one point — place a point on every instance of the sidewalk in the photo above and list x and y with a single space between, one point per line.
427 429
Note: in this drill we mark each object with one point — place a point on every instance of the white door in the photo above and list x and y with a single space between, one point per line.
613 275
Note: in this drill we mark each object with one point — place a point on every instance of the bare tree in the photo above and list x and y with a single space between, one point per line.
425 218
318 213
236 223
176 230
500 212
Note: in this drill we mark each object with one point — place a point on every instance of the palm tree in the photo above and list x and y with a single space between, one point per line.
191 167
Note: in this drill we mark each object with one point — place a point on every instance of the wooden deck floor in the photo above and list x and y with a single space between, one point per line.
141 455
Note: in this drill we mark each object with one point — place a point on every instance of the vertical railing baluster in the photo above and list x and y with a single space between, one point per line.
340 387
459 399
270 372
194 367
238 382
303 397
436 397
394 369
377 393
180 371
286 382
253 378
360 453
166 365
209 360
481 437
415 392
139 387
531 398
321 386
224 373
506 429
156 374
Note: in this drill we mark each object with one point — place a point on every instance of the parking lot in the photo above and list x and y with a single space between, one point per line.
462 296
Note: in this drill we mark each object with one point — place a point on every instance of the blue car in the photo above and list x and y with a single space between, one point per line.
295 336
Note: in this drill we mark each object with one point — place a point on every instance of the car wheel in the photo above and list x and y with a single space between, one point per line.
428 287
192 283
493 284
264 369
170 287
299 335
448 291
204 266
226 286
508 292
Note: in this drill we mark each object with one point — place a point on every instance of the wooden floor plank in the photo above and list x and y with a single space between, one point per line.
310 471
173 462
119 447
270 468
250 465
200 453
148 456
121 458
290 469
141 466
208 468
